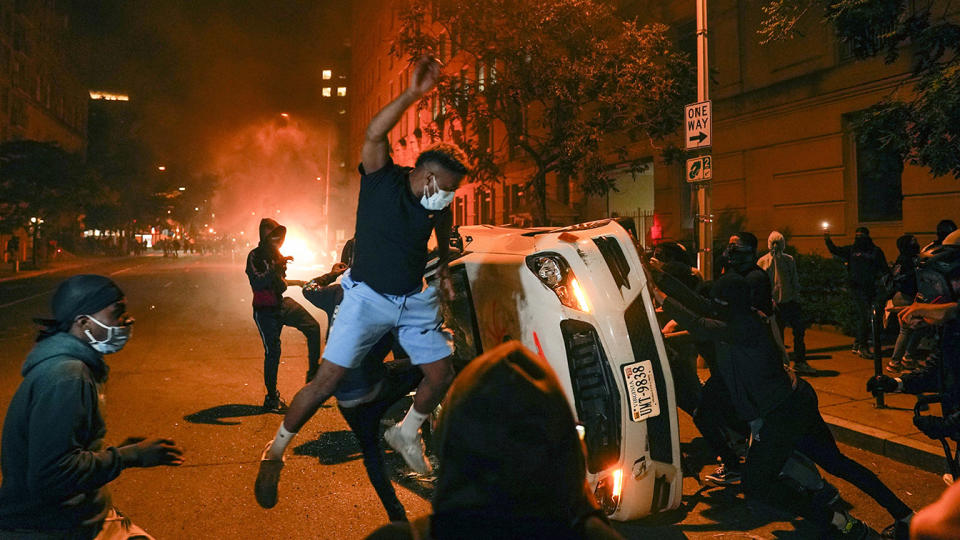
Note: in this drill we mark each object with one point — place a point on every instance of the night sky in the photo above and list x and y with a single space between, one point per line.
201 70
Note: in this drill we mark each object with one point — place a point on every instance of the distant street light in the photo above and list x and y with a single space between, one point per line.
182 188
161 168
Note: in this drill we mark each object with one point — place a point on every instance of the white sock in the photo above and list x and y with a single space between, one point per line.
280 442
411 423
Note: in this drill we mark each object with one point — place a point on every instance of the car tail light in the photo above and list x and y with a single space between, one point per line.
608 490
554 272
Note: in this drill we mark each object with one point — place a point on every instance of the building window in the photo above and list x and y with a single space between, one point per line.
341 91
327 74
879 186
327 91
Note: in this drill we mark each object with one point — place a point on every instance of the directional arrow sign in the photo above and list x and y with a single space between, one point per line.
698 125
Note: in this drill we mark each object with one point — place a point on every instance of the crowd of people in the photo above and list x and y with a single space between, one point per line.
759 418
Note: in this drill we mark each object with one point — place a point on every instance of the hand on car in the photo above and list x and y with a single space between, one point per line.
154 452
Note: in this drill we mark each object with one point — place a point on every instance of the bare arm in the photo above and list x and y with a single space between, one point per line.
376 148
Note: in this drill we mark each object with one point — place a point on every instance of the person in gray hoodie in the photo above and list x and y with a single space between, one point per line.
52 456
785 288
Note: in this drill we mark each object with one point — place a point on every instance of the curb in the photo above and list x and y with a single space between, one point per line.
926 456
34 273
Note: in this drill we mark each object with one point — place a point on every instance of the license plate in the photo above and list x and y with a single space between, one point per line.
642 390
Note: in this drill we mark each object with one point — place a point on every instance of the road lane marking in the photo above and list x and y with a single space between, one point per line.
26 298
127 269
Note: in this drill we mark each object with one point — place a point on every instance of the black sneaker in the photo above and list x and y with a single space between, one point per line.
723 476
274 403
854 529
898 530
856 348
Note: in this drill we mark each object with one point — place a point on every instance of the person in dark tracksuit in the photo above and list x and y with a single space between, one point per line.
365 393
865 264
267 270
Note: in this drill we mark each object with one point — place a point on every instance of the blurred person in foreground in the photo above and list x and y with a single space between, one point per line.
785 288
398 210
866 263
502 474
267 272
55 467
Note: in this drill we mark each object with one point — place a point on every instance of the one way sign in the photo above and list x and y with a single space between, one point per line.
696 118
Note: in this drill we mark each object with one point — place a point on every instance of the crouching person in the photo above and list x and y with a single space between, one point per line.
54 464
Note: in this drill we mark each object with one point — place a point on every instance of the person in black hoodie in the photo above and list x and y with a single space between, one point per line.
54 464
865 264
267 272
740 259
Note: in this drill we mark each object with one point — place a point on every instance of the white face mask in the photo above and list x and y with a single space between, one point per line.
440 199
117 337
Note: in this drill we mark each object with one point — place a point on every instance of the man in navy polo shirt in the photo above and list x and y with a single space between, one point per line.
398 210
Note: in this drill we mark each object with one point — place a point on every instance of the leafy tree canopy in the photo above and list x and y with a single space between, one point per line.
39 179
561 77
923 128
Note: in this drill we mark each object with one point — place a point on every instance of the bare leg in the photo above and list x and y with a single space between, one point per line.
312 396
437 377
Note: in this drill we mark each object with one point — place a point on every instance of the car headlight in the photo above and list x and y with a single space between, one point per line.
608 490
554 272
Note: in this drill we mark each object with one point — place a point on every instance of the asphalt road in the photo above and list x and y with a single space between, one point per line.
193 372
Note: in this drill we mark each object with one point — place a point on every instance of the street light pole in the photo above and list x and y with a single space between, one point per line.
704 214
326 197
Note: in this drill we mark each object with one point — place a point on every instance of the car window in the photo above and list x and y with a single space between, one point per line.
460 317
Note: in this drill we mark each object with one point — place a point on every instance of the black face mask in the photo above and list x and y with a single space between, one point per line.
862 242
739 257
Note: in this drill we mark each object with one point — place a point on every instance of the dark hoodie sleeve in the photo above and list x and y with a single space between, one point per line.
262 272
61 424
702 328
841 252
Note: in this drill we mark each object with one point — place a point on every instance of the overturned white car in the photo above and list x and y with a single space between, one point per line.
577 296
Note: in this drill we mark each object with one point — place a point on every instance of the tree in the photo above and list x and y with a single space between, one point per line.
40 180
924 127
569 82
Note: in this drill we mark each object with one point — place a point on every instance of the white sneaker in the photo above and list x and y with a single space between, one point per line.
265 488
411 449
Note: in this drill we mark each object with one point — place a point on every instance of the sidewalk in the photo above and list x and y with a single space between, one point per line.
851 412
27 270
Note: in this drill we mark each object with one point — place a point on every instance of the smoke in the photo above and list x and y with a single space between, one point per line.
277 169
198 72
